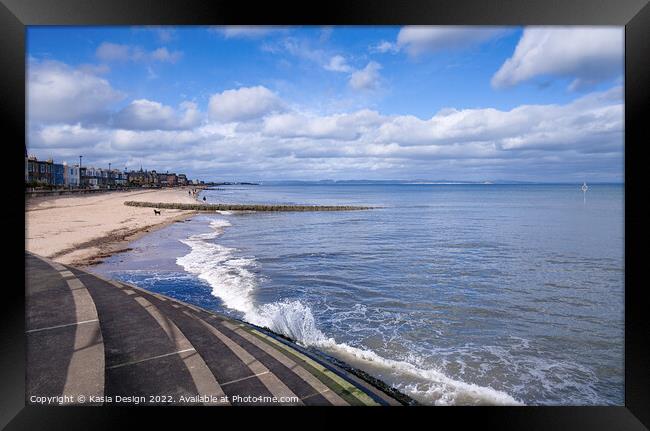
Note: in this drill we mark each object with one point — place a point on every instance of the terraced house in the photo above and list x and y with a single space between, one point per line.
44 172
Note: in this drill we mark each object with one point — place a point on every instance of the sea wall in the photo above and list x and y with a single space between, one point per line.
57 192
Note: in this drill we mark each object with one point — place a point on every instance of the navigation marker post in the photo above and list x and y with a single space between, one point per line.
584 189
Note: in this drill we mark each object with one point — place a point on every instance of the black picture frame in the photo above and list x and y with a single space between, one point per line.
15 15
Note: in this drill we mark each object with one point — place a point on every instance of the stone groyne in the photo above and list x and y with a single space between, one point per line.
245 207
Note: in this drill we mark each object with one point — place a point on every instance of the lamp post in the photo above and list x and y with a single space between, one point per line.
109 175
80 171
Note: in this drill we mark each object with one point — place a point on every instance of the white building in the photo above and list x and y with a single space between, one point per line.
93 177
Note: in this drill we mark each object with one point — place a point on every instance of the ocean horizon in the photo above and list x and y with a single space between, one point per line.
507 293
415 182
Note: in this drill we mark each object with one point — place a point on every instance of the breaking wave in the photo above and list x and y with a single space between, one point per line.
232 281
228 276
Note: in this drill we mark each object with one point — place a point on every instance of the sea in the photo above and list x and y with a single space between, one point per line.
455 294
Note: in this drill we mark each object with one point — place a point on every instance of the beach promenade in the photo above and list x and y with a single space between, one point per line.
94 341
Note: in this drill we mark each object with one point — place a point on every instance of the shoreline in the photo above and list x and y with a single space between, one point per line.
84 230
112 244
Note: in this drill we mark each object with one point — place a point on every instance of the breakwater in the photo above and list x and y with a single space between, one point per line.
245 207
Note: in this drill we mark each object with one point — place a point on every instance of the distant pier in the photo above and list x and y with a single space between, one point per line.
246 207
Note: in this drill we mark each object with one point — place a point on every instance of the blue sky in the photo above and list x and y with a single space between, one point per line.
263 103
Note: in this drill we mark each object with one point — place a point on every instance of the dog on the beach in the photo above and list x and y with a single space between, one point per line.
156 212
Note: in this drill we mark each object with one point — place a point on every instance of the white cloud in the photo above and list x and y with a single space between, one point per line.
586 134
191 115
245 103
344 127
69 136
366 78
244 31
301 48
338 64
384 46
421 39
151 141
58 93
143 114
164 55
304 49
588 55
590 124
110 52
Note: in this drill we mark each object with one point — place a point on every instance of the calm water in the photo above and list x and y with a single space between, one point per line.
455 294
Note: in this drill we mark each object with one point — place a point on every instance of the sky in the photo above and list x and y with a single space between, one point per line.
245 103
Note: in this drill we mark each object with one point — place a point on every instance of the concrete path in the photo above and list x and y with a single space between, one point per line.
97 341
65 349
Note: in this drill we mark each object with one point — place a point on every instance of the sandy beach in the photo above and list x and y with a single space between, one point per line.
81 230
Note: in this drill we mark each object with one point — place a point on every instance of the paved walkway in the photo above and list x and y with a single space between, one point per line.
113 343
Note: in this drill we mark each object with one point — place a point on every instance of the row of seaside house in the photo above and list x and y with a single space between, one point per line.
50 174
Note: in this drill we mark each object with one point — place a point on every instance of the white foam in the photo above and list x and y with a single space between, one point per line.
228 276
431 385
234 284
218 224
295 320
292 319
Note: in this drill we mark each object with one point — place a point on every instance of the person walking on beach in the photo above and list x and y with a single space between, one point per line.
203 198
